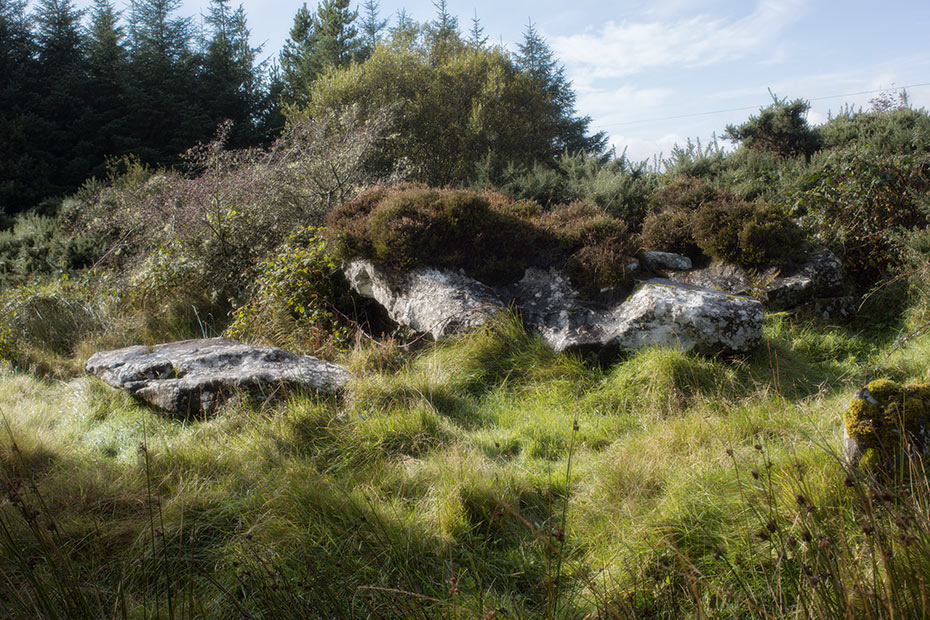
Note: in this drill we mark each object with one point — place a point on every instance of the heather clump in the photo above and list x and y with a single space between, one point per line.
693 218
487 235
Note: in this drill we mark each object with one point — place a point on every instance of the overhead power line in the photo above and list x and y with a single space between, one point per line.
756 107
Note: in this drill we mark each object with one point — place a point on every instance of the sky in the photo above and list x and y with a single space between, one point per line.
655 73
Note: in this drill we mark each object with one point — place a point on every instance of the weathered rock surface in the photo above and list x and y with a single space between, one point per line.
551 307
666 261
433 301
819 277
659 312
665 313
195 376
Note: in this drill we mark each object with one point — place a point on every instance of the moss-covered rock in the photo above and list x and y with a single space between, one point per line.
884 422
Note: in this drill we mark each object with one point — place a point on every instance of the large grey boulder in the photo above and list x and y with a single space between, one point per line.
195 376
658 313
665 313
427 300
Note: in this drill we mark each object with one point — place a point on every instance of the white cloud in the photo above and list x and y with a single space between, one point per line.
629 47
644 148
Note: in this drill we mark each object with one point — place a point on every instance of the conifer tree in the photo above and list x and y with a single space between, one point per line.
405 32
166 114
230 81
372 27
61 84
107 65
337 39
442 34
18 166
535 57
318 41
476 36
296 57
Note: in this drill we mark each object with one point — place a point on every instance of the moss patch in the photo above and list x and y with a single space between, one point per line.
886 417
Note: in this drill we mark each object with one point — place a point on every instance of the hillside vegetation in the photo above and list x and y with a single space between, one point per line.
484 476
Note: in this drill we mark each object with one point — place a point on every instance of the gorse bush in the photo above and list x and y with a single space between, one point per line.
488 235
619 187
38 245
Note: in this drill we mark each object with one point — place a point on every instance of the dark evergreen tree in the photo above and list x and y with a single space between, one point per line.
230 81
536 58
167 116
319 41
107 65
476 36
337 39
372 27
19 168
61 81
297 62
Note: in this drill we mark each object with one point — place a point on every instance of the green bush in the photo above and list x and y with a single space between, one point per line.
856 199
196 237
301 300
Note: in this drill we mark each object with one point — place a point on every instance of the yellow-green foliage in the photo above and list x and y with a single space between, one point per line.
885 417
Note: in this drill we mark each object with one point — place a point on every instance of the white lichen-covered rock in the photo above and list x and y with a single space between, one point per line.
427 300
551 307
664 313
666 261
820 276
658 313
196 376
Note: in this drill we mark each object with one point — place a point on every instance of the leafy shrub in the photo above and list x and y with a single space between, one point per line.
198 236
857 198
488 235
301 301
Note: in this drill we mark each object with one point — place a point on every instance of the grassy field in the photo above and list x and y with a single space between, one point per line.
482 478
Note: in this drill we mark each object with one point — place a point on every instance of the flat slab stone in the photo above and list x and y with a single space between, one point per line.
196 376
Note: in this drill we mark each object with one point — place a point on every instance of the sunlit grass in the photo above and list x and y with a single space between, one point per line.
482 474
